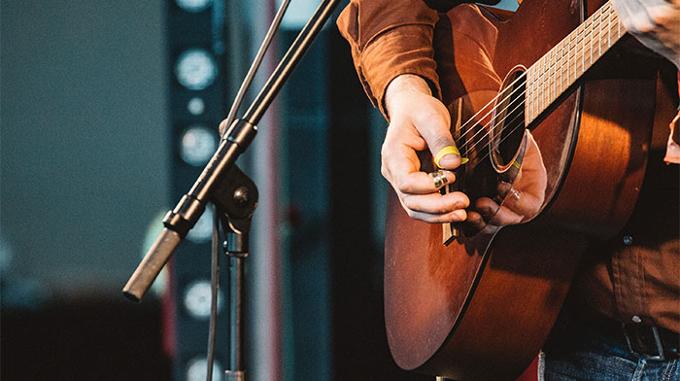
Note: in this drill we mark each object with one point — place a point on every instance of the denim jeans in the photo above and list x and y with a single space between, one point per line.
599 359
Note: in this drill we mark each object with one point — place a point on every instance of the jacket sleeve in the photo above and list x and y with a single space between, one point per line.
389 38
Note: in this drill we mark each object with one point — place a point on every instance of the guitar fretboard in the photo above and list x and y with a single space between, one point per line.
565 63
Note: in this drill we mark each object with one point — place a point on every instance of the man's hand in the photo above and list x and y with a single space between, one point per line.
655 23
523 198
419 121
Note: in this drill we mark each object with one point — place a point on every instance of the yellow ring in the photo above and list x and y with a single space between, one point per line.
445 151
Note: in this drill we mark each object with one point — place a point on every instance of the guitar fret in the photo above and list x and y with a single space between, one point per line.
571 44
533 95
563 57
590 47
553 79
542 89
599 43
551 84
581 52
597 38
545 79
550 76
546 89
558 71
609 30
530 97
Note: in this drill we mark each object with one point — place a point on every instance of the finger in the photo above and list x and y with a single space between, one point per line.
497 215
623 13
435 203
475 220
505 217
633 16
661 12
455 216
435 129
401 171
398 152
420 182
486 207
398 160
401 133
447 156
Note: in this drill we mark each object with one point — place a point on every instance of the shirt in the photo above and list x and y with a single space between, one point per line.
635 277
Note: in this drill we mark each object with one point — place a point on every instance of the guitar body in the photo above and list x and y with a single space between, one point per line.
481 307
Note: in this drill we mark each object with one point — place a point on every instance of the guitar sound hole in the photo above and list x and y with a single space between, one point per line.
507 126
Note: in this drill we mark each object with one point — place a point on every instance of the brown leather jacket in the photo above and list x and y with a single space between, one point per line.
635 277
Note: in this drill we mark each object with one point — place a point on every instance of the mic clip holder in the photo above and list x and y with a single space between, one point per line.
185 215
236 199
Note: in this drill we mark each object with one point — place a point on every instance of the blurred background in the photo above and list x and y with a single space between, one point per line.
108 113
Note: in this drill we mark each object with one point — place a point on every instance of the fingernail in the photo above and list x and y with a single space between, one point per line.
445 155
447 161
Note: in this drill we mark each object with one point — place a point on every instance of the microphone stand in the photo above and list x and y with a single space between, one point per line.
235 195
235 209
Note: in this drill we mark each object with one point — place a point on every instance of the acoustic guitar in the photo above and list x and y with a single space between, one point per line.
557 140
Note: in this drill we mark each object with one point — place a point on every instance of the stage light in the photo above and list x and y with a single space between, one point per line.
197 299
196 69
196 106
202 231
194 6
197 145
197 370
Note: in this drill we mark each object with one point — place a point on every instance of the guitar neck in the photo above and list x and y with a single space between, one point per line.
565 63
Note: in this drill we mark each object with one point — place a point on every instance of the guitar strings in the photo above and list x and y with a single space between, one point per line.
578 51
522 101
492 129
491 104
595 21
507 136
492 120
515 128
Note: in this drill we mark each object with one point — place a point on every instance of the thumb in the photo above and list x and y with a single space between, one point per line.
437 135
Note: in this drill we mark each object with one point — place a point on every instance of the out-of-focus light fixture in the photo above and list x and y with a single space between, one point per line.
197 145
196 106
197 370
194 6
197 299
196 69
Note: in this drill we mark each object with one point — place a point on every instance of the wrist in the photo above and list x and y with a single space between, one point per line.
404 86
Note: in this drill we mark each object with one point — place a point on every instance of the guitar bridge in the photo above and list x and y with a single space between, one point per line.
450 230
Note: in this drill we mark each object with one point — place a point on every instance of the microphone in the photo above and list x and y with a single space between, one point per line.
154 260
